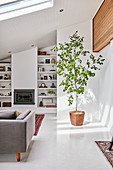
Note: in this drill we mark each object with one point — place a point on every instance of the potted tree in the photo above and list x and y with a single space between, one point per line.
76 66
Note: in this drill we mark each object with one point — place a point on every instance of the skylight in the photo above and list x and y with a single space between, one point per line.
3 2
13 8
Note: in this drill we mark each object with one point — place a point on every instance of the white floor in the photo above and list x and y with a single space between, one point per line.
58 146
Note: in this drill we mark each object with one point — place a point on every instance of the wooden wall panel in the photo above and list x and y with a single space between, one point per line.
103 26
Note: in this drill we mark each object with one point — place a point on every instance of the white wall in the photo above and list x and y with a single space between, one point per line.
92 108
106 87
24 71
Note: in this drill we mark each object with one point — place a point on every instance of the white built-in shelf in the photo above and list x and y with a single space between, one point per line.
45 64
4 72
47 72
5 96
44 107
4 107
5 83
5 80
47 96
46 88
41 63
47 56
5 64
47 80
5 88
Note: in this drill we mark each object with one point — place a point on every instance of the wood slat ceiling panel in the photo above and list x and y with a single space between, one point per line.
103 26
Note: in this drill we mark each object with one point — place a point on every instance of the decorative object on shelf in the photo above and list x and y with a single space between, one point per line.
3 86
41 62
51 93
43 85
52 70
42 94
2 68
53 61
47 101
9 86
39 69
53 77
76 67
9 94
45 77
50 77
43 69
47 61
6 104
1 77
0 103
1 94
41 78
42 53
53 86
41 104
8 68
7 76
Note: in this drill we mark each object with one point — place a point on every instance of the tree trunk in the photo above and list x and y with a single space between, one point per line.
76 101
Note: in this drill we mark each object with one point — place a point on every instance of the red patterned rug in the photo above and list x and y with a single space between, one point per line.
104 145
38 121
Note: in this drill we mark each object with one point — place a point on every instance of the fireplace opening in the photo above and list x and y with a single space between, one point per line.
24 96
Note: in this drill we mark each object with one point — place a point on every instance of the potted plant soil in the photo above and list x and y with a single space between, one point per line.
76 66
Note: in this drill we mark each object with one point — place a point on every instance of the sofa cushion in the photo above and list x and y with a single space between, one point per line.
8 114
23 115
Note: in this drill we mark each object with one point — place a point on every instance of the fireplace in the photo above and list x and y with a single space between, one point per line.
24 96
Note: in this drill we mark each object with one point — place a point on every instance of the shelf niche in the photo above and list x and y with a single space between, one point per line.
47 70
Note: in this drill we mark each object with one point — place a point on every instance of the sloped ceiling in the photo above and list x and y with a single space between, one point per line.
39 28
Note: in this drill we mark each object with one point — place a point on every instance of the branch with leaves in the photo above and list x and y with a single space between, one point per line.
76 65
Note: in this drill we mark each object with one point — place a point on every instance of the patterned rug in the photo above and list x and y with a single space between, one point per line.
38 121
104 145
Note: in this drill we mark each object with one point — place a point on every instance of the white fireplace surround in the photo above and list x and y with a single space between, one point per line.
24 73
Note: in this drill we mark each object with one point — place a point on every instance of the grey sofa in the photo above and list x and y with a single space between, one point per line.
16 133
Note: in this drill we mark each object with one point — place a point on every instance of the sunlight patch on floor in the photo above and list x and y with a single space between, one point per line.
65 127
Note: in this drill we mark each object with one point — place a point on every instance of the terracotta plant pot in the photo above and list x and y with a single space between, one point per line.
77 117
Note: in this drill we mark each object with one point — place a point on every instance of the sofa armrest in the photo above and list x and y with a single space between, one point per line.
30 127
15 135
